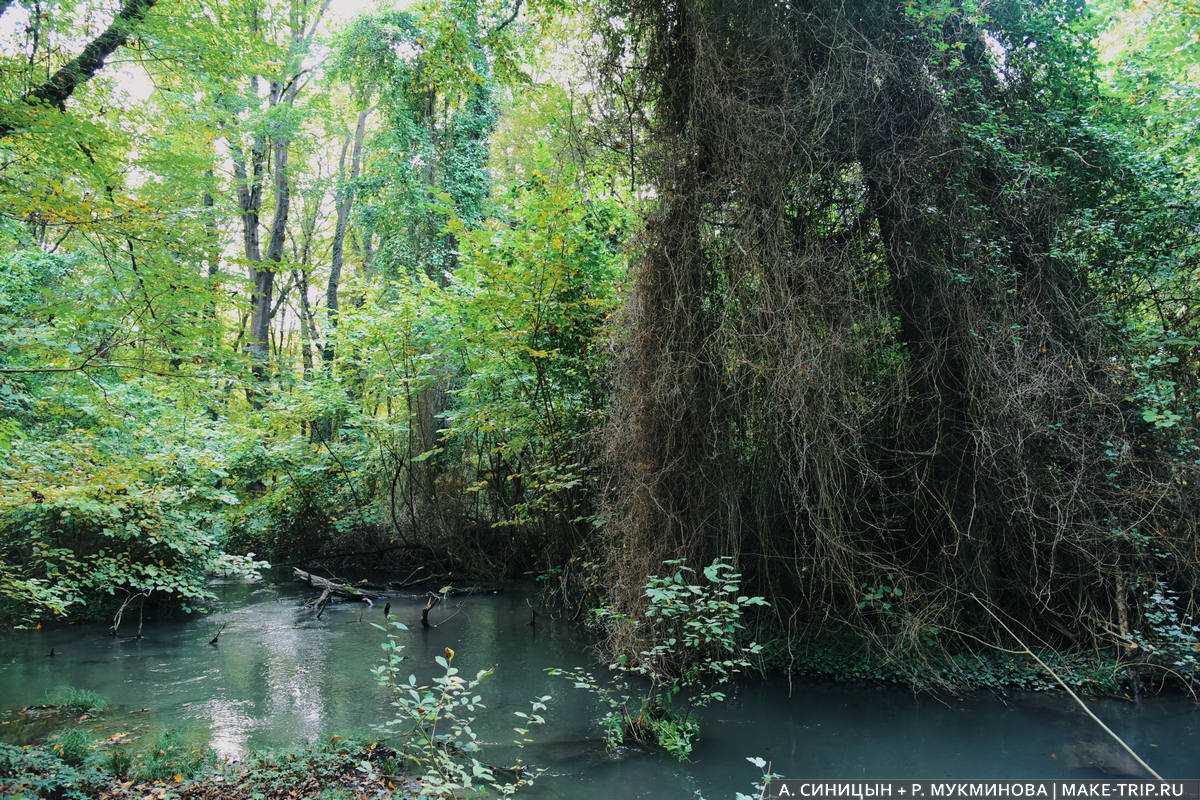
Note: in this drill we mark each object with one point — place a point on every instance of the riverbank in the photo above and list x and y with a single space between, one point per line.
72 766
281 679
848 660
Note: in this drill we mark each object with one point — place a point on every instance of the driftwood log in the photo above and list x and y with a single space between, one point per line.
343 590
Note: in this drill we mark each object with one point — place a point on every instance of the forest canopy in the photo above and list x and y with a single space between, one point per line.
894 305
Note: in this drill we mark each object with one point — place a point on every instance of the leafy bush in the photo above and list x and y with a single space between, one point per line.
73 746
314 499
43 772
527 310
71 768
1167 638
435 725
694 633
100 542
91 523
119 761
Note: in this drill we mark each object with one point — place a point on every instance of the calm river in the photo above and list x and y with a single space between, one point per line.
280 676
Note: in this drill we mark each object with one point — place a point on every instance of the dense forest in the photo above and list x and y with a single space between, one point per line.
894 307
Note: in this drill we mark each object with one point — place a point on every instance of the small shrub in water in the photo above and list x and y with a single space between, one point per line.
435 725
693 630
119 761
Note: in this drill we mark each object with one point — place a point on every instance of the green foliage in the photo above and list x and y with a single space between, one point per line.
316 497
1167 639
72 767
694 632
336 767
76 701
1037 334
100 528
526 312
170 758
33 772
73 745
434 723
1151 53
430 69
111 487
119 762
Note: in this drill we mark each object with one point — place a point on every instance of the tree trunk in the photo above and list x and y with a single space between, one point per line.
306 352
264 278
344 204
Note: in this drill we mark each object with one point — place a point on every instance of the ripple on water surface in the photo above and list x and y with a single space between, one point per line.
279 676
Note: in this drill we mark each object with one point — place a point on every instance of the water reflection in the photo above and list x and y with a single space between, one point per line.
293 671
279 676
229 724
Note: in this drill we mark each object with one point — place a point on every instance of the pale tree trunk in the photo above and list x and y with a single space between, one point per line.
306 350
212 255
282 93
345 203
213 248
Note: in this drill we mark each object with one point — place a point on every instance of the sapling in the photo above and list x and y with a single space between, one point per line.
694 632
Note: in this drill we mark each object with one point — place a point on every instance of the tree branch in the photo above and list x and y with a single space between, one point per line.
80 69
510 19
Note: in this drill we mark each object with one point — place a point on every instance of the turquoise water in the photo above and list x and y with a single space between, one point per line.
280 676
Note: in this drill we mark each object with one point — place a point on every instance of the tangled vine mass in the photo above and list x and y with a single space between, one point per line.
886 341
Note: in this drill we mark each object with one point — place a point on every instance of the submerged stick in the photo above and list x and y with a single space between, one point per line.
323 601
120 615
429 605
1074 696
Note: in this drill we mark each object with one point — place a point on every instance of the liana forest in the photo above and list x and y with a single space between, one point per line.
857 339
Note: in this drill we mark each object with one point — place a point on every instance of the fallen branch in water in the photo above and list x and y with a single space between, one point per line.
321 602
451 592
1067 689
129 598
337 589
